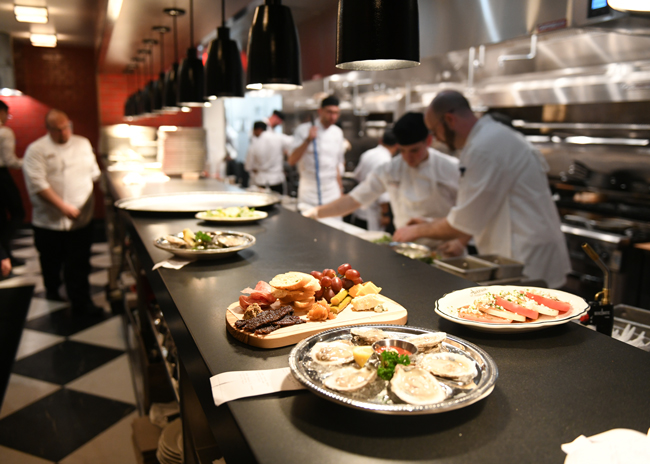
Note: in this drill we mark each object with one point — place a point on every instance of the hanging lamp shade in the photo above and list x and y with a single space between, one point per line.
159 84
170 101
145 101
375 35
190 80
273 49
224 75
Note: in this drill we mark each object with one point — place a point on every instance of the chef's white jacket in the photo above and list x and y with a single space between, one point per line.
8 157
504 201
70 169
426 191
330 149
265 158
368 161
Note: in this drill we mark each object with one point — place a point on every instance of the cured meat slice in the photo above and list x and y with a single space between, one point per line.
261 295
288 320
267 317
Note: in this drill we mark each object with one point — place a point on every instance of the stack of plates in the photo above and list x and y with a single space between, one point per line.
182 150
170 444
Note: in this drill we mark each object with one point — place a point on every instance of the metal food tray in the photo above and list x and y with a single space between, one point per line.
194 202
382 403
468 267
507 268
637 318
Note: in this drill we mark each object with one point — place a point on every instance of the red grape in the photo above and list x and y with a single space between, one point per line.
319 294
325 282
352 274
328 294
337 284
329 273
347 284
343 268
316 274
358 281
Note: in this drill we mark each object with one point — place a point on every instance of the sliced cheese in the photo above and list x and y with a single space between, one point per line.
366 303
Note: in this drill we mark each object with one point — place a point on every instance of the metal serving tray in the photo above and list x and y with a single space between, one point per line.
468 267
375 397
507 268
193 202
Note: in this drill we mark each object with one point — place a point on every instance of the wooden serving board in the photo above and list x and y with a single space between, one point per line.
291 335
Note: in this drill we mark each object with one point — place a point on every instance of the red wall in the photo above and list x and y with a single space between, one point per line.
114 89
318 45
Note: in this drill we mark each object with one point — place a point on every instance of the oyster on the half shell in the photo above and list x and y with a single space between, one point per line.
229 241
449 365
415 385
368 336
350 378
332 353
428 342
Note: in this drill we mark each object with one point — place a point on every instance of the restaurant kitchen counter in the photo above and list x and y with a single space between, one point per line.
554 384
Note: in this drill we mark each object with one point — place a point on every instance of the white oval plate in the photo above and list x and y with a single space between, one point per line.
215 253
447 307
257 215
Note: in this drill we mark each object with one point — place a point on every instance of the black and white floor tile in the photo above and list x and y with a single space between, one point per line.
70 396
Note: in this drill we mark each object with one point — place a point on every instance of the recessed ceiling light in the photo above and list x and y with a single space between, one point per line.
30 14
43 40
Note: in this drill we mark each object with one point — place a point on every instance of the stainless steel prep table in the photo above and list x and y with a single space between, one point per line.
553 385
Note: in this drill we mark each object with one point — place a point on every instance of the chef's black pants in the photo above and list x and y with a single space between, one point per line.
11 209
66 253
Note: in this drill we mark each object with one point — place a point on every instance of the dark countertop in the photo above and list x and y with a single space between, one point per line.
553 385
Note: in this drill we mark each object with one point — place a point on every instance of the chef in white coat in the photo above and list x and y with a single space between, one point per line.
503 200
420 181
265 157
318 151
371 215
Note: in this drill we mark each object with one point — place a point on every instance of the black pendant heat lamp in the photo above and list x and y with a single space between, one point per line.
145 96
273 49
376 35
159 84
170 94
190 73
224 75
129 105
138 106
151 84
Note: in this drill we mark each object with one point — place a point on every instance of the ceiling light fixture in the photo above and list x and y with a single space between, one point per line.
159 85
190 73
170 100
30 14
630 5
273 49
145 91
224 75
376 35
43 40
138 104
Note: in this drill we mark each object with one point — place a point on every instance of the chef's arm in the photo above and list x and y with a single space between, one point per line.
299 151
53 198
439 229
341 207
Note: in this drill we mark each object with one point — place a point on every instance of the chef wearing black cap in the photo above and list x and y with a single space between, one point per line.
420 181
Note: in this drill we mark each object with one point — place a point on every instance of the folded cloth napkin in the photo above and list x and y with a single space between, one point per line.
616 446
241 384
173 263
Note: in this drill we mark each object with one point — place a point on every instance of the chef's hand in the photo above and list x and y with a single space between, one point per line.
407 233
313 132
417 220
5 267
451 248
311 213
69 211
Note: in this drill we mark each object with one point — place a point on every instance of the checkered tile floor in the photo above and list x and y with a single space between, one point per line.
70 395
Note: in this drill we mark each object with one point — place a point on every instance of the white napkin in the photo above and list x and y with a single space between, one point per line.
173 263
616 446
241 384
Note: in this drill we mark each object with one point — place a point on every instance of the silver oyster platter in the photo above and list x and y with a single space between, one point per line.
376 396
227 242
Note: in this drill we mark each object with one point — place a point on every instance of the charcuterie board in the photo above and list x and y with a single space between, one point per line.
395 314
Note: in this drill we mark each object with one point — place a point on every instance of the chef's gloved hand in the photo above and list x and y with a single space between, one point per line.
311 213
451 248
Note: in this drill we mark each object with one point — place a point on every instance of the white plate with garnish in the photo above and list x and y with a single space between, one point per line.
453 304
205 245
232 214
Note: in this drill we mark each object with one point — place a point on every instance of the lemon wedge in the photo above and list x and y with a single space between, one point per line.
362 354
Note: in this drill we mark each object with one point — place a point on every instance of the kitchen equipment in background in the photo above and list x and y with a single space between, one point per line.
632 326
467 267
506 268
182 150
601 311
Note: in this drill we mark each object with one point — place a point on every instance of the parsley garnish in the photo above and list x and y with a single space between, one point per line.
389 359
